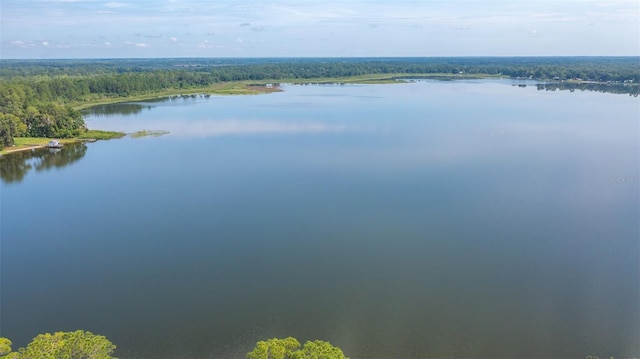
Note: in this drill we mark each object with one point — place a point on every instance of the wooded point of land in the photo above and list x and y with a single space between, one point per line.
39 98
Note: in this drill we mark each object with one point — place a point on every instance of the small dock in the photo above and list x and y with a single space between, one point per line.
54 144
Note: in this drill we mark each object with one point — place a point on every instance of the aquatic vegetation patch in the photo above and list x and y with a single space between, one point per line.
101 135
148 133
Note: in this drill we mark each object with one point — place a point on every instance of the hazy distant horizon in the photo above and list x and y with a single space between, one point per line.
86 29
314 57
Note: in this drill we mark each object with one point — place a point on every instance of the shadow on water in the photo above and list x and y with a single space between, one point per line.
121 109
15 166
115 109
617 88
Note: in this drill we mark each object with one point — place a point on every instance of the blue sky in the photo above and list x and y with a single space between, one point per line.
190 28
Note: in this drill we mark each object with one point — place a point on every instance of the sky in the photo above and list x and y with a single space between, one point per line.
330 28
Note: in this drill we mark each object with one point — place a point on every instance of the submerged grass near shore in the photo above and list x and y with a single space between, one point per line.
148 133
100 135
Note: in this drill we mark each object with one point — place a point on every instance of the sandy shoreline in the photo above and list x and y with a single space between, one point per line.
27 148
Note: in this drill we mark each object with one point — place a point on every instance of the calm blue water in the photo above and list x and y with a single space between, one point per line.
429 219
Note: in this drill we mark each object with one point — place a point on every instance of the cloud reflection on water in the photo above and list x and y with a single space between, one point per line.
245 127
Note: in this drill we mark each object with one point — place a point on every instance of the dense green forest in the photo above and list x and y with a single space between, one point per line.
227 69
37 96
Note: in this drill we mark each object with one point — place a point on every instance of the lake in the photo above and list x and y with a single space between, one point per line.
454 219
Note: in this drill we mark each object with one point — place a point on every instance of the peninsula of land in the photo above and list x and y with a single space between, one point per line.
42 99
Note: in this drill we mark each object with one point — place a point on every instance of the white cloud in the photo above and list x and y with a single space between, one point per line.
206 44
243 127
137 44
115 4
67 1
330 27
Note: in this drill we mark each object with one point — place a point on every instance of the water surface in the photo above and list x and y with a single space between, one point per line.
427 219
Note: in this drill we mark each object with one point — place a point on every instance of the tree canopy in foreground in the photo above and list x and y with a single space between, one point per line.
289 348
79 344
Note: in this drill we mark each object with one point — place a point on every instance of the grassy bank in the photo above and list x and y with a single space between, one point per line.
259 87
28 143
223 88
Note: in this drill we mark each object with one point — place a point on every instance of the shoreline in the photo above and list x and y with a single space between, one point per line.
33 143
271 85
31 147
21 149
263 86
224 88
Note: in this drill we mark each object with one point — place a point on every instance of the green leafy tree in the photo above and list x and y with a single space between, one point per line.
10 127
19 127
274 349
13 97
5 346
318 349
289 348
5 350
60 121
68 345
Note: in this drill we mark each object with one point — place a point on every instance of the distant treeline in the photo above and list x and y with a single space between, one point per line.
601 69
72 81
35 94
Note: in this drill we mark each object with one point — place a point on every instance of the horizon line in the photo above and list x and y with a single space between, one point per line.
316 57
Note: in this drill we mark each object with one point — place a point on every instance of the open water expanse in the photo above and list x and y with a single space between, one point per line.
422 220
